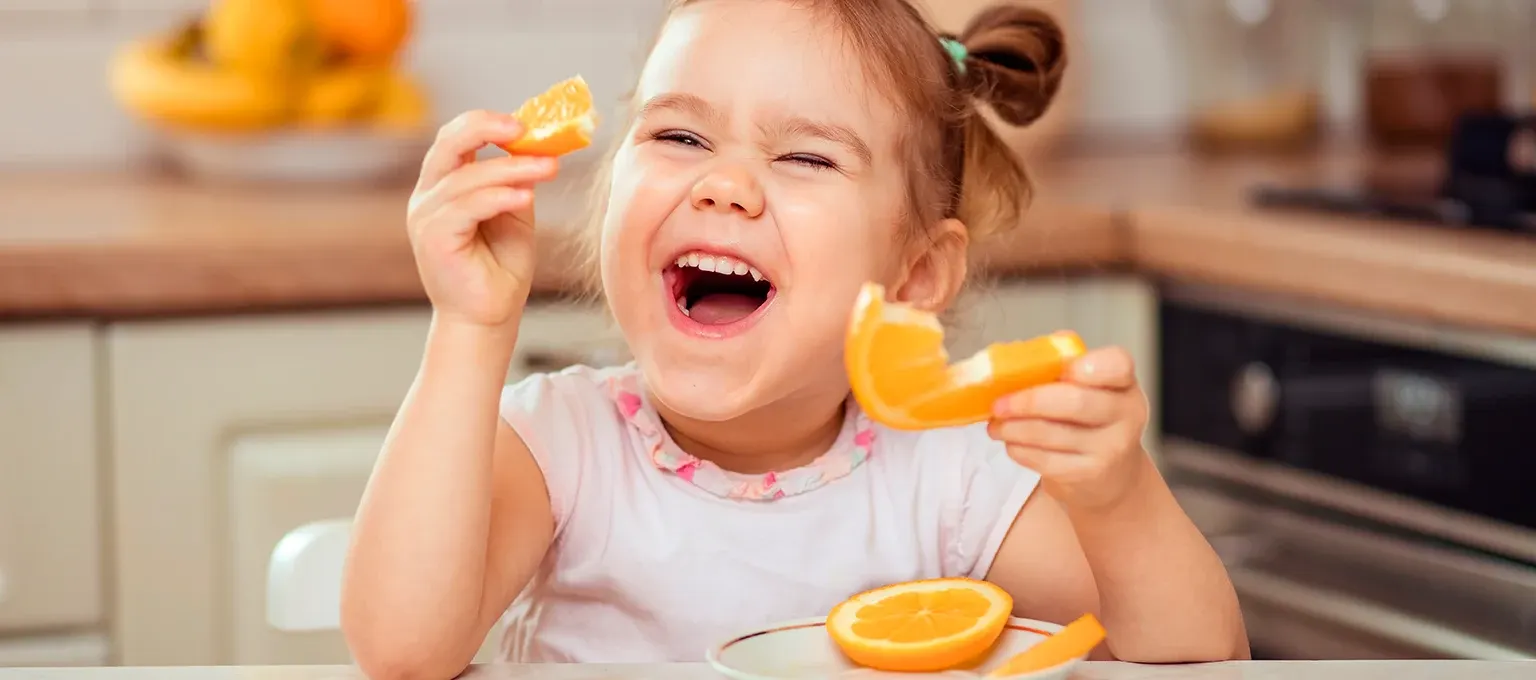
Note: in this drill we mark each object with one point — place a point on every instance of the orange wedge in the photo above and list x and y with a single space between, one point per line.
1074 641
902 377
558 121
920 626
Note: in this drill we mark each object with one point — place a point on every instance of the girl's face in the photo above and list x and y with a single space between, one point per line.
757 189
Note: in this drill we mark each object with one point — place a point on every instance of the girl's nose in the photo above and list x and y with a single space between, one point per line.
729 190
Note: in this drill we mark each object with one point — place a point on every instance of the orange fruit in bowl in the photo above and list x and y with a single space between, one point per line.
901 374
920 626
1072 642
371 31
558 121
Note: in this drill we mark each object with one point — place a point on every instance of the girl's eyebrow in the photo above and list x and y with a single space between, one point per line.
796 126
683 103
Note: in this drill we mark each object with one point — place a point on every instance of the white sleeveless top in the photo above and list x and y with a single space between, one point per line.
658 556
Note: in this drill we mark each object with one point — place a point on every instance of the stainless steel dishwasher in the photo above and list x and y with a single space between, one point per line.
1370 483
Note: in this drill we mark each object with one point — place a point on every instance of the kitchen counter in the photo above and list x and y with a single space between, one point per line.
115 246
1248 670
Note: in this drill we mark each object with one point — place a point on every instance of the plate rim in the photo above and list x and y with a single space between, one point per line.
712 655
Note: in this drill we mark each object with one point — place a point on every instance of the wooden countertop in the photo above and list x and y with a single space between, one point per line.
113 246
1093 670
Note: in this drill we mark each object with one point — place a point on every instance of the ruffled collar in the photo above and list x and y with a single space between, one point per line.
852 447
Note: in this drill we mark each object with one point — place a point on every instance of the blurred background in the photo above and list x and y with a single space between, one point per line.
1310 222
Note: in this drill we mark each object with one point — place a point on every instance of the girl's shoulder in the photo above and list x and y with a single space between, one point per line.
962 478
967 447
572 424
571 390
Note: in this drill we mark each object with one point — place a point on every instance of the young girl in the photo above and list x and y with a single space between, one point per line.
781 153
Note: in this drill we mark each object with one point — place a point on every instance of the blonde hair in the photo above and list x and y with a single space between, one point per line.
1012 61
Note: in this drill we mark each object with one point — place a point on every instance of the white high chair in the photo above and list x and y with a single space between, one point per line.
304 577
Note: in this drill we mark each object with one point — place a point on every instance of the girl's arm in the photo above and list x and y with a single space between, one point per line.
1141 565
454 521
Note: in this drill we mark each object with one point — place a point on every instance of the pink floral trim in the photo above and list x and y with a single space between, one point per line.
846 454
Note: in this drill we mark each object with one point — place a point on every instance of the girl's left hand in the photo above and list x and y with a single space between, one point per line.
1082 434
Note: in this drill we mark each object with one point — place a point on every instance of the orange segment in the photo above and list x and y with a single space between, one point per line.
902 377
920 626
558 121
1074 641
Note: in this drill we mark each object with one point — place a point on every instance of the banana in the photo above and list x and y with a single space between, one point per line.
403 106
341 94
163 80
262 38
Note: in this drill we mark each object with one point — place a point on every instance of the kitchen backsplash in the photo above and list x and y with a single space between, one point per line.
488 54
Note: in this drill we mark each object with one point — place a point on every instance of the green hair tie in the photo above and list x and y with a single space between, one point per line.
957 51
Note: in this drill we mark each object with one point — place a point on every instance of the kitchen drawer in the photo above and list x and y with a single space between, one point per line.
82 649
50 533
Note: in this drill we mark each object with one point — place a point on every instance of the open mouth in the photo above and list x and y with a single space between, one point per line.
717 290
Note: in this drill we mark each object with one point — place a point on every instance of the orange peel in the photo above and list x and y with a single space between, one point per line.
901 375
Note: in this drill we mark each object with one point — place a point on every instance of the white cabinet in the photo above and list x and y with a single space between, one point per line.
50 527
226 434
1104 310
189 447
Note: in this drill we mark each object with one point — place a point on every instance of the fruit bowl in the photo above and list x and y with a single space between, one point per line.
803 649
297 156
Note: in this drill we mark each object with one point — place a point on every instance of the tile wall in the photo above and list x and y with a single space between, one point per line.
55 110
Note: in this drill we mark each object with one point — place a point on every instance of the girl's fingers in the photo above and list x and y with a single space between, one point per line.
1039 434
1049 464
463 216
1108 368
460 138
1065 402
508 171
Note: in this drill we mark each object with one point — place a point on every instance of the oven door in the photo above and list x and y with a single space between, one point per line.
1314 584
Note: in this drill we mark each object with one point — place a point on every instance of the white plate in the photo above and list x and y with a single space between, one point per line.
802 649
298 156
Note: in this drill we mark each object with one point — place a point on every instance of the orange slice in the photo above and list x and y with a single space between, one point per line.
558 121
1074 641
901 375
920 626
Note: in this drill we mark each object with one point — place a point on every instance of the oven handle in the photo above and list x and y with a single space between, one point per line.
1348 612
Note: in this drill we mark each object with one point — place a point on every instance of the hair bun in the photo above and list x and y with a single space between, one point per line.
1016 57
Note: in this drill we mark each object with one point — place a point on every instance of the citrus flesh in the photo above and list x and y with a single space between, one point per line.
901 375
920 626
557 122
1074 641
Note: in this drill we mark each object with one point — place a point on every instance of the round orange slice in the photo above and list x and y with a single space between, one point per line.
1074 641
901 375
558 121
920 626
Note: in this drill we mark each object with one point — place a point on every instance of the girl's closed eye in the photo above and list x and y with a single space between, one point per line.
810 160
679 138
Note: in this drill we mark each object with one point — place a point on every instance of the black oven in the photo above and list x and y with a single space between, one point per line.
1371 482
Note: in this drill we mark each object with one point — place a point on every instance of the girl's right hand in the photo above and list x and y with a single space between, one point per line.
471 223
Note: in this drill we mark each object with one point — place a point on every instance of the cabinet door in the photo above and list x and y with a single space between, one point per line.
1010 309
1104 310
50 532
1122 310
229 433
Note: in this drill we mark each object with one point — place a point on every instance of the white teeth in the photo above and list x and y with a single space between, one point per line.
682 305
720 264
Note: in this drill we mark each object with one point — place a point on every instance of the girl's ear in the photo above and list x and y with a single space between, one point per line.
936 268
